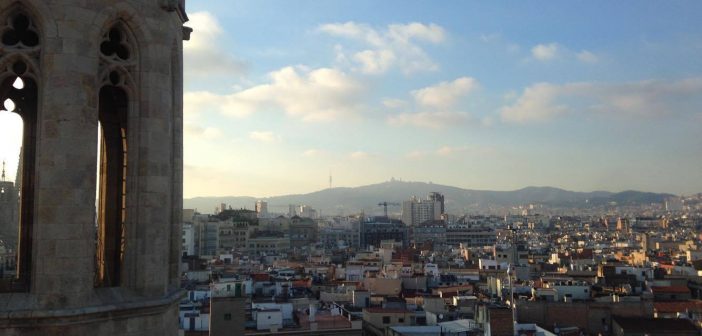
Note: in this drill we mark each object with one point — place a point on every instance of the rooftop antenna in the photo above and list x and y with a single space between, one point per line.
3 171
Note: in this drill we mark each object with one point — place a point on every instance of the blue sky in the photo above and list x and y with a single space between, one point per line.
582 95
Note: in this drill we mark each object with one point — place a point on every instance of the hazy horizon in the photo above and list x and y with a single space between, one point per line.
431 182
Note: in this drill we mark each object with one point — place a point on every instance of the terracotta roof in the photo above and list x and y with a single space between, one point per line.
671 289
302 283
677 306
260 277
660 325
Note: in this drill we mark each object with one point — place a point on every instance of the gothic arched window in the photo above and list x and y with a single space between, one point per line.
19 90
116 65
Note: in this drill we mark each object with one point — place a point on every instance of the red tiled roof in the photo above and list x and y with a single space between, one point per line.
660 326
260 277
671 289
302 283
677 306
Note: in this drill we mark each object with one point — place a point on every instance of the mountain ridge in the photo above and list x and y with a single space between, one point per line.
365 198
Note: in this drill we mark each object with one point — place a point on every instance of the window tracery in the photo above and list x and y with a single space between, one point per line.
19 58
117 63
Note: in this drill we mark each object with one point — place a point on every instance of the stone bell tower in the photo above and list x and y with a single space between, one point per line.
98 86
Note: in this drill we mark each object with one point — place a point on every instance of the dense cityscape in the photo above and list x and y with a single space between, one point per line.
214 171
422 271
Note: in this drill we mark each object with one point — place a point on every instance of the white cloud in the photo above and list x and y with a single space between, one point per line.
445 94
643 99
449 150
264 136
415 155
435 120
395 46
375 61
487 121
203 55
545 52
535 104
198 102
587 57
198 132
394 103
312 152
359 155
353 30
553 51
436 105
465 150
405 32
309 94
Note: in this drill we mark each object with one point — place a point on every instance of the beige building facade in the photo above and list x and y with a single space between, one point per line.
107 72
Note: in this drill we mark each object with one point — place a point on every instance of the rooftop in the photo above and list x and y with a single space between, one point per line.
379 310
648 325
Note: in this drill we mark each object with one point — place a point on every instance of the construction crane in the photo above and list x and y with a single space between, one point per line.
385 206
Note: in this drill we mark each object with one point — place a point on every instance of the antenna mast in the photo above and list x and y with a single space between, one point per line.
3 171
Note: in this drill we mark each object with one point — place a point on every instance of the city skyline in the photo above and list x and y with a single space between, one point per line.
585 96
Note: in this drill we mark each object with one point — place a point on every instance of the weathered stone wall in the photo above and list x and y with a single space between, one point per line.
63 240
145 319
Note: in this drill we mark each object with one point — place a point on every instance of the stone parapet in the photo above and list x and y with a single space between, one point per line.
141 317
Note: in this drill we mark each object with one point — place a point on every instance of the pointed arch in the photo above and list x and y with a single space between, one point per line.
127 17
118 54
20 51
40 13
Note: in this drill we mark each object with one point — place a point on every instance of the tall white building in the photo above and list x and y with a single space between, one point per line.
306 211
261 209
416 211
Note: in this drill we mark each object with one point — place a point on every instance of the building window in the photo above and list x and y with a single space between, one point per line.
19 90
112 194
401 320
227 317
116 55
386 319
